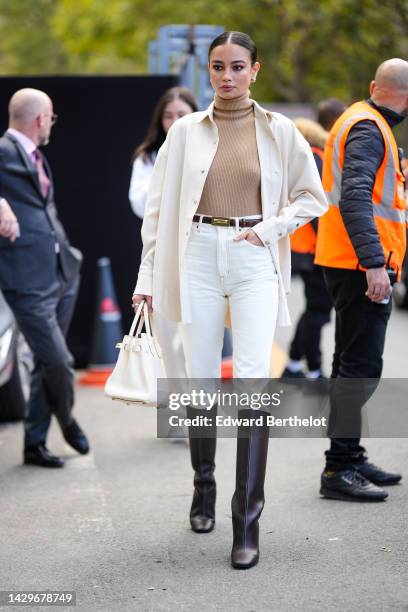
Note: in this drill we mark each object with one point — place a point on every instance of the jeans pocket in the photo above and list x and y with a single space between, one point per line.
259 247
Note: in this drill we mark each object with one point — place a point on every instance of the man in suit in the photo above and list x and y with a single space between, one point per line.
39 272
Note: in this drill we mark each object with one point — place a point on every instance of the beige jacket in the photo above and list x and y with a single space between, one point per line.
291 194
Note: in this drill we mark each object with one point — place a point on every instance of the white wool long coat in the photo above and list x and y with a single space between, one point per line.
291 193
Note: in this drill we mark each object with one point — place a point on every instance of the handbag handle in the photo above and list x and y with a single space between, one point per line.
147 322
138 316
142 316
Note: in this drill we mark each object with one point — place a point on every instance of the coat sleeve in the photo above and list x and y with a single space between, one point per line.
305 198
139 185
363 153
144 283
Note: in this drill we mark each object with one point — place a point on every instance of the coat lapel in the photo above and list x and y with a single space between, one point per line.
31 169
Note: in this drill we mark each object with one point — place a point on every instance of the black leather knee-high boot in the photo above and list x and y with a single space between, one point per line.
202 451
248 499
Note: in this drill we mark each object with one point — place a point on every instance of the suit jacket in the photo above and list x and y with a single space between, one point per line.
291 192
31 262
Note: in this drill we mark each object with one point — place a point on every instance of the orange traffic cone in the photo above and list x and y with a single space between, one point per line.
107 329
226 368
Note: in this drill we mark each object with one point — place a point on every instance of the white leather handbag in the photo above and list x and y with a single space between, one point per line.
139 364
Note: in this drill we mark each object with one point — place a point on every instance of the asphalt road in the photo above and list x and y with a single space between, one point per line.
113 526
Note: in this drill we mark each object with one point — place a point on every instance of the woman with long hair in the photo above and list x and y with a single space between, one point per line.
229 186
173 104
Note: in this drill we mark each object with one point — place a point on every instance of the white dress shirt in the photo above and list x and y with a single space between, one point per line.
139 184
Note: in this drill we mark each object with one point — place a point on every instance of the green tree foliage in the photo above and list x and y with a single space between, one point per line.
309 48
27 42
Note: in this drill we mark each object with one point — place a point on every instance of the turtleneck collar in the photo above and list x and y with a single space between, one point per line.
243 102
393 118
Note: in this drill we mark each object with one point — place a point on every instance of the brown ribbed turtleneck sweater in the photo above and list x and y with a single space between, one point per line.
233 184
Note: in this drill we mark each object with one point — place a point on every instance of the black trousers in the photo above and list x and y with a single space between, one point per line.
44 317
359 345
306 341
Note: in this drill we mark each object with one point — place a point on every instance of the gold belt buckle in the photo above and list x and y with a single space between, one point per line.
224 221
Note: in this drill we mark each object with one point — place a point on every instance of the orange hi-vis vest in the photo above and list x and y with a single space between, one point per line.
304 239
334 248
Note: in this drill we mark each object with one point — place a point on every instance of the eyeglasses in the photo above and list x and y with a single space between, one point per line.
53 117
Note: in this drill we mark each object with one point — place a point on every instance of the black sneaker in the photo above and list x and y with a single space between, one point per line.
289 374
376 475
350 485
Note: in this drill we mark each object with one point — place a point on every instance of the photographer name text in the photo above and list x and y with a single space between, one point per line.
258 421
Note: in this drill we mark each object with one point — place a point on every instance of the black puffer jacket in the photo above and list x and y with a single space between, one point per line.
364 152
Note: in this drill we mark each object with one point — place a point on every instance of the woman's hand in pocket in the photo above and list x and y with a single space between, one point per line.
250 236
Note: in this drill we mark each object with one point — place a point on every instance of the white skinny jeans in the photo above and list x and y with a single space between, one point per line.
221 269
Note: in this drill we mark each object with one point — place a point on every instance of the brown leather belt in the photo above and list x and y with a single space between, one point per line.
227 221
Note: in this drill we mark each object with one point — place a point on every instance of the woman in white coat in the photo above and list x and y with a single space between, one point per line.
229 186
173 104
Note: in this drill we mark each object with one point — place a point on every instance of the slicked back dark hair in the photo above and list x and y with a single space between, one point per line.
235 38
155 135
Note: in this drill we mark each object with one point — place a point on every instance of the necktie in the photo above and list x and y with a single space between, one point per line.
42 177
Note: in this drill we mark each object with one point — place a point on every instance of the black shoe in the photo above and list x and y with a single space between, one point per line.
376 475
289 374
350 485
202 512
40 455
202 524
202 452
248 499
76 438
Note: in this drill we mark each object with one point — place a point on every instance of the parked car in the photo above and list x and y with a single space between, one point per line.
15 367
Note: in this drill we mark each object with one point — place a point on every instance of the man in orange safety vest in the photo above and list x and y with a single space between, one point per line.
361 245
